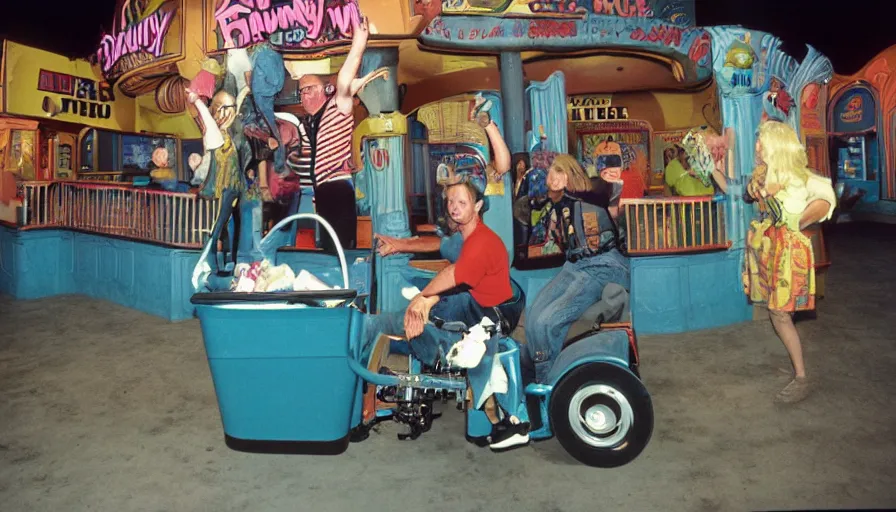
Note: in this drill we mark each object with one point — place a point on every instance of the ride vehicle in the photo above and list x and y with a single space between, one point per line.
291 374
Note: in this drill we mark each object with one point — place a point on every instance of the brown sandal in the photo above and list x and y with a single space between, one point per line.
797 390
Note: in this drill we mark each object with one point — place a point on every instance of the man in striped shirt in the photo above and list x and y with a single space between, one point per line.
324 162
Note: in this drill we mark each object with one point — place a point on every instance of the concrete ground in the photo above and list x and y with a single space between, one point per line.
104 408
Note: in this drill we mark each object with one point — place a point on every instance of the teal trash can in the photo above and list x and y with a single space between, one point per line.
281 371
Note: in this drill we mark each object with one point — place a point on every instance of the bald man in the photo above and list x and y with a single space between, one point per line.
324 161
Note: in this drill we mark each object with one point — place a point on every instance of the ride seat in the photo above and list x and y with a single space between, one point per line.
613 307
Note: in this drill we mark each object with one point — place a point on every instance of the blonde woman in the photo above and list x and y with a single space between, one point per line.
779 261
593 260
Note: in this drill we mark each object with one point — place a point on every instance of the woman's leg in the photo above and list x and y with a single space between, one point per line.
782 321
798 388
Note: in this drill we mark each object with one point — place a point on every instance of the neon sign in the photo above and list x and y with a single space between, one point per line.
141 39
288 24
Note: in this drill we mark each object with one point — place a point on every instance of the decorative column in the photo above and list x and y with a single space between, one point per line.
513 100
379 149
751 89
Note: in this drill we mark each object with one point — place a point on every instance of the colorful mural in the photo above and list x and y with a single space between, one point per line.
588 27
678 12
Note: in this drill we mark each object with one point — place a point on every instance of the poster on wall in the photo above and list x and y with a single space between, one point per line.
633 148
64 150
20 159
665 148
812 103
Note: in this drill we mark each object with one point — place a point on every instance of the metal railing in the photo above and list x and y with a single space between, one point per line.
671 225
171 218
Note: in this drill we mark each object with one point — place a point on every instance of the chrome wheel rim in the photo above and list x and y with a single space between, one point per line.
601 416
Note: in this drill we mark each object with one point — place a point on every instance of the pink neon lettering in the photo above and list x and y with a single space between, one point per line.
146 36
254 20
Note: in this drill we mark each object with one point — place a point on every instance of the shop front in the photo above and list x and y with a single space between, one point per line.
629 80
861 115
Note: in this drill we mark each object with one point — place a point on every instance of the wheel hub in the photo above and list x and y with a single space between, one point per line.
600 415
600 419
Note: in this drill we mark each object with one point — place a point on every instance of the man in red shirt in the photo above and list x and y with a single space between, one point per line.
483 268
476 286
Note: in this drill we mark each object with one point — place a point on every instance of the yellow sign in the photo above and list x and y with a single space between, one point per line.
44 84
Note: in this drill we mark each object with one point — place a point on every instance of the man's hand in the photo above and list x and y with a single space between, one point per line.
361 32
192 97
417 315
387 245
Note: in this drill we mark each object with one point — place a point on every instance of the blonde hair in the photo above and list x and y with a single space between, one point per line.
577 179
783 153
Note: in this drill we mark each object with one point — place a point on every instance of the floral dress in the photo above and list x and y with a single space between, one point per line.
779 264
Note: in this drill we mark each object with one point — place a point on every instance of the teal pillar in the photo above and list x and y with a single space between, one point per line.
513 100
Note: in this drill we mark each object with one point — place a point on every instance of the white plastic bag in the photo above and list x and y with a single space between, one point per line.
468 352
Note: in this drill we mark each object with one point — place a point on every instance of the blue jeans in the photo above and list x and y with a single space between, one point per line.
562 302
434 343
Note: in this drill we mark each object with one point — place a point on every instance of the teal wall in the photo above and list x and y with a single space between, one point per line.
146 277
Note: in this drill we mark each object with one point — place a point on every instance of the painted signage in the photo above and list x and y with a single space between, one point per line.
286 24
137 38
39 84
80 96
594 108
854 111
690 46
678 12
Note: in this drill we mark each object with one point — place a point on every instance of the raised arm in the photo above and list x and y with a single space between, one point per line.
345 81
501 156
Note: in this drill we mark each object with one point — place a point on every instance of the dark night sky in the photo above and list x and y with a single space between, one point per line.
849 32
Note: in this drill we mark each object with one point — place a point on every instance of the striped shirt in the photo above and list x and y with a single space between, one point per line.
326 146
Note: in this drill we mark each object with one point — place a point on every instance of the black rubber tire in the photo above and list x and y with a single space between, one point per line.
623 381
